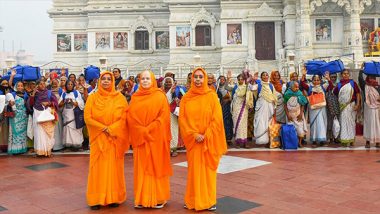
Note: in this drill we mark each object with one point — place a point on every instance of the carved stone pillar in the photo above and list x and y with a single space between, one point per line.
304 38
278 38
356 46
251 40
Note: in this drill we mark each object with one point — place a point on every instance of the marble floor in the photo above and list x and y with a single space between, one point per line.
248 182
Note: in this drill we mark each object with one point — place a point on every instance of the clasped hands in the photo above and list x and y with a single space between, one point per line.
199 138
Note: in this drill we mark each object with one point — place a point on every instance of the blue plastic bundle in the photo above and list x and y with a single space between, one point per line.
320 67
24 73
333 67
31 73
91 72
313 66
372 68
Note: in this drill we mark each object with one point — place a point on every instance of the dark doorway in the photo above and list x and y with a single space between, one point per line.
265 41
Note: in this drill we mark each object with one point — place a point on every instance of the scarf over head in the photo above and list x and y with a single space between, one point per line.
276 83
290 93
205 104
149 125
106 108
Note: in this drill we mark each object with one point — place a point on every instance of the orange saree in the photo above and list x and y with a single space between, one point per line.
106 109
201 113
149 127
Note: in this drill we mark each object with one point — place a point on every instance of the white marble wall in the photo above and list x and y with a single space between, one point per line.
297 17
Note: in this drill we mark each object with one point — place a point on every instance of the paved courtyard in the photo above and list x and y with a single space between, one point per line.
248 182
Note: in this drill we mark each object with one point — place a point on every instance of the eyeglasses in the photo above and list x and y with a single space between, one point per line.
106 78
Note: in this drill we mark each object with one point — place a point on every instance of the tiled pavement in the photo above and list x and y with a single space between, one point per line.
293 182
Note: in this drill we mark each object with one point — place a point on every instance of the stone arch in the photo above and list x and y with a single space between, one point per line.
342 3
203 15
142 23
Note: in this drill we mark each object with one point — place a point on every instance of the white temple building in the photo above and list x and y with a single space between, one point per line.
220 35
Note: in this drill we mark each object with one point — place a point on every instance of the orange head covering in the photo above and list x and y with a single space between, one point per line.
150 127
194 90
207 122
146 91
276 83
106 108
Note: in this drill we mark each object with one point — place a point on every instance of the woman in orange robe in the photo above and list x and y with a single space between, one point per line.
105 117
202 129
149 127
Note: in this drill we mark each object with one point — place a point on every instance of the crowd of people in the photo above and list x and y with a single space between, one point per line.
250 105
156 117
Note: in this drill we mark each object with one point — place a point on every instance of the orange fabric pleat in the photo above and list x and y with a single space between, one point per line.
106 182
149 127
201 113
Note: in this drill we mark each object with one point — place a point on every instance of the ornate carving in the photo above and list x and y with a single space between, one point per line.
342 3
289 10
203 15
141 22
264 10
363 4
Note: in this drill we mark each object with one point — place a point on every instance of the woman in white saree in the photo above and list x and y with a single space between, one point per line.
317 112
240 113
72 137
349 100
265 108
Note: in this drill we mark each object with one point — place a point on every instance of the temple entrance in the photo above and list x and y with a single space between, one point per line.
265 41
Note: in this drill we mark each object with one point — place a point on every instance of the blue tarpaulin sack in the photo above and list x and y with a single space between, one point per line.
289 138
333 67
91 72
16 78
31 73
372 68
18 69
313 66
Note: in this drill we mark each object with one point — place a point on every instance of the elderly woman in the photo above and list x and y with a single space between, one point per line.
371 90
317 111
333 107
150 136
169 89
265 108
348 93
105 116
43 100
82 87
201 126
240 113
275 79
55 89
225 99
70 99
295 103
18 124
